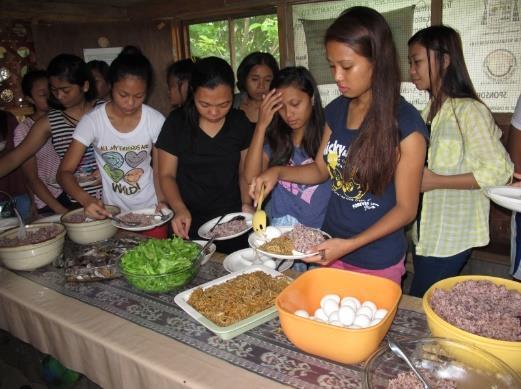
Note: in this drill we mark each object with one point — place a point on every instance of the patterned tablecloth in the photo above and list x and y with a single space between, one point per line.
264 350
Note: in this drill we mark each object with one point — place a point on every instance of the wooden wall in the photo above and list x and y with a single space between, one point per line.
153 37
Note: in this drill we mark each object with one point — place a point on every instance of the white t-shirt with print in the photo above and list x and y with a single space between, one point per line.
124 159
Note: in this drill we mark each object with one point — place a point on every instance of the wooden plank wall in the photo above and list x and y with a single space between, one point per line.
153 37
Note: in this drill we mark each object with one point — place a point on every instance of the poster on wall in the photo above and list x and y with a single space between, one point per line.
491 36
310 22
107 54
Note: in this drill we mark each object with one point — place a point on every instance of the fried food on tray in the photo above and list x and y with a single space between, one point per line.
238 298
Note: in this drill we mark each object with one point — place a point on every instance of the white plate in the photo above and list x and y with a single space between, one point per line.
95 179
239 327
146 211
203 230
256 240
506 196
245 258
211 250
8 222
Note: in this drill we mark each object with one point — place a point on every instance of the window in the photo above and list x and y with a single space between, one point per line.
246 35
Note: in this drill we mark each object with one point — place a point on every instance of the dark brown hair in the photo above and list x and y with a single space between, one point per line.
455 79
373 156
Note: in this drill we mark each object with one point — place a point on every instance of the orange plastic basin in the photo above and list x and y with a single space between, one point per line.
339 344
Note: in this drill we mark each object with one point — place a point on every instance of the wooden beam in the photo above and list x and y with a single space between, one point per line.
60 12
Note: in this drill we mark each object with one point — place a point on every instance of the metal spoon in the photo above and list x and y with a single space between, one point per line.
397 350
123 222
22 229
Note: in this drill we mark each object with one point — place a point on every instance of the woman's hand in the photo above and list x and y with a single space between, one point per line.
181 223
248 208
271 103
330 250
95 210
517 184
269 179
161 205
428 180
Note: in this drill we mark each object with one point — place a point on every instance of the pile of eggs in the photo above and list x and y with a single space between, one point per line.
346 312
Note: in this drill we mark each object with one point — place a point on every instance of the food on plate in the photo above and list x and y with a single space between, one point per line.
347 312
171 257
142 220
232 227
408 380
34 236
480 307
96 261
304 238
238 298
300 238
282 245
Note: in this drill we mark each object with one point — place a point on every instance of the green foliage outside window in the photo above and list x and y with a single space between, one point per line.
257 33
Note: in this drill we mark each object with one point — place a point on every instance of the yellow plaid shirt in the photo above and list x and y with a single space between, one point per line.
455 220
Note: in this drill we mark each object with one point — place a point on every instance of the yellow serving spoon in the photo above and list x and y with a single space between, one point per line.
259 220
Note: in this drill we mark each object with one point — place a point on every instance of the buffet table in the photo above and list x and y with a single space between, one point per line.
115 352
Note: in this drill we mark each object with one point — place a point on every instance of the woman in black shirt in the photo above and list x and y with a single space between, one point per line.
202 148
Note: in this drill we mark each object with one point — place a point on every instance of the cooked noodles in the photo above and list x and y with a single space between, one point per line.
239 298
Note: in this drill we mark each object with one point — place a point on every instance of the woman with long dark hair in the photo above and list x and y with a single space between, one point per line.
373 149
73 94
253 81
202 148
465 155
288 133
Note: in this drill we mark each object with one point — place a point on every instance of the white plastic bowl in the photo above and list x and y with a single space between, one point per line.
89 232
210 251
32 256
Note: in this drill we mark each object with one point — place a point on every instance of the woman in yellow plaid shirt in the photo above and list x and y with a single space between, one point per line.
464 155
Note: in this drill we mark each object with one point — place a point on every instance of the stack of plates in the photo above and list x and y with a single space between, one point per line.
506 196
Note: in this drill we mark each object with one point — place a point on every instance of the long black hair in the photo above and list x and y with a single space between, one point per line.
455 78
373 156
279 133
251 60
30 78
133 64
72 68
209 72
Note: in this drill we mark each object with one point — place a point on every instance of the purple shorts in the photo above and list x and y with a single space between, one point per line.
393 273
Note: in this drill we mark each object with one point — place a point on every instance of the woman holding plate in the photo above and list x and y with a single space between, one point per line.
372 149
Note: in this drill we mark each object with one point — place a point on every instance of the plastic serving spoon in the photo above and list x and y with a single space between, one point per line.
259 220
397 350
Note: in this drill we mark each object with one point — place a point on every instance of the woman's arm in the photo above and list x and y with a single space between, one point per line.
161 200
30 171
488 160
38 135
310 174
407 182
168 181
93 207
256 159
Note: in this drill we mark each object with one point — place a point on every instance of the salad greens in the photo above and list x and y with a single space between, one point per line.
161 265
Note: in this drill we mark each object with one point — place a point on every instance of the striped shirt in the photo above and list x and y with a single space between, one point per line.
46 159
62 128
464 139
